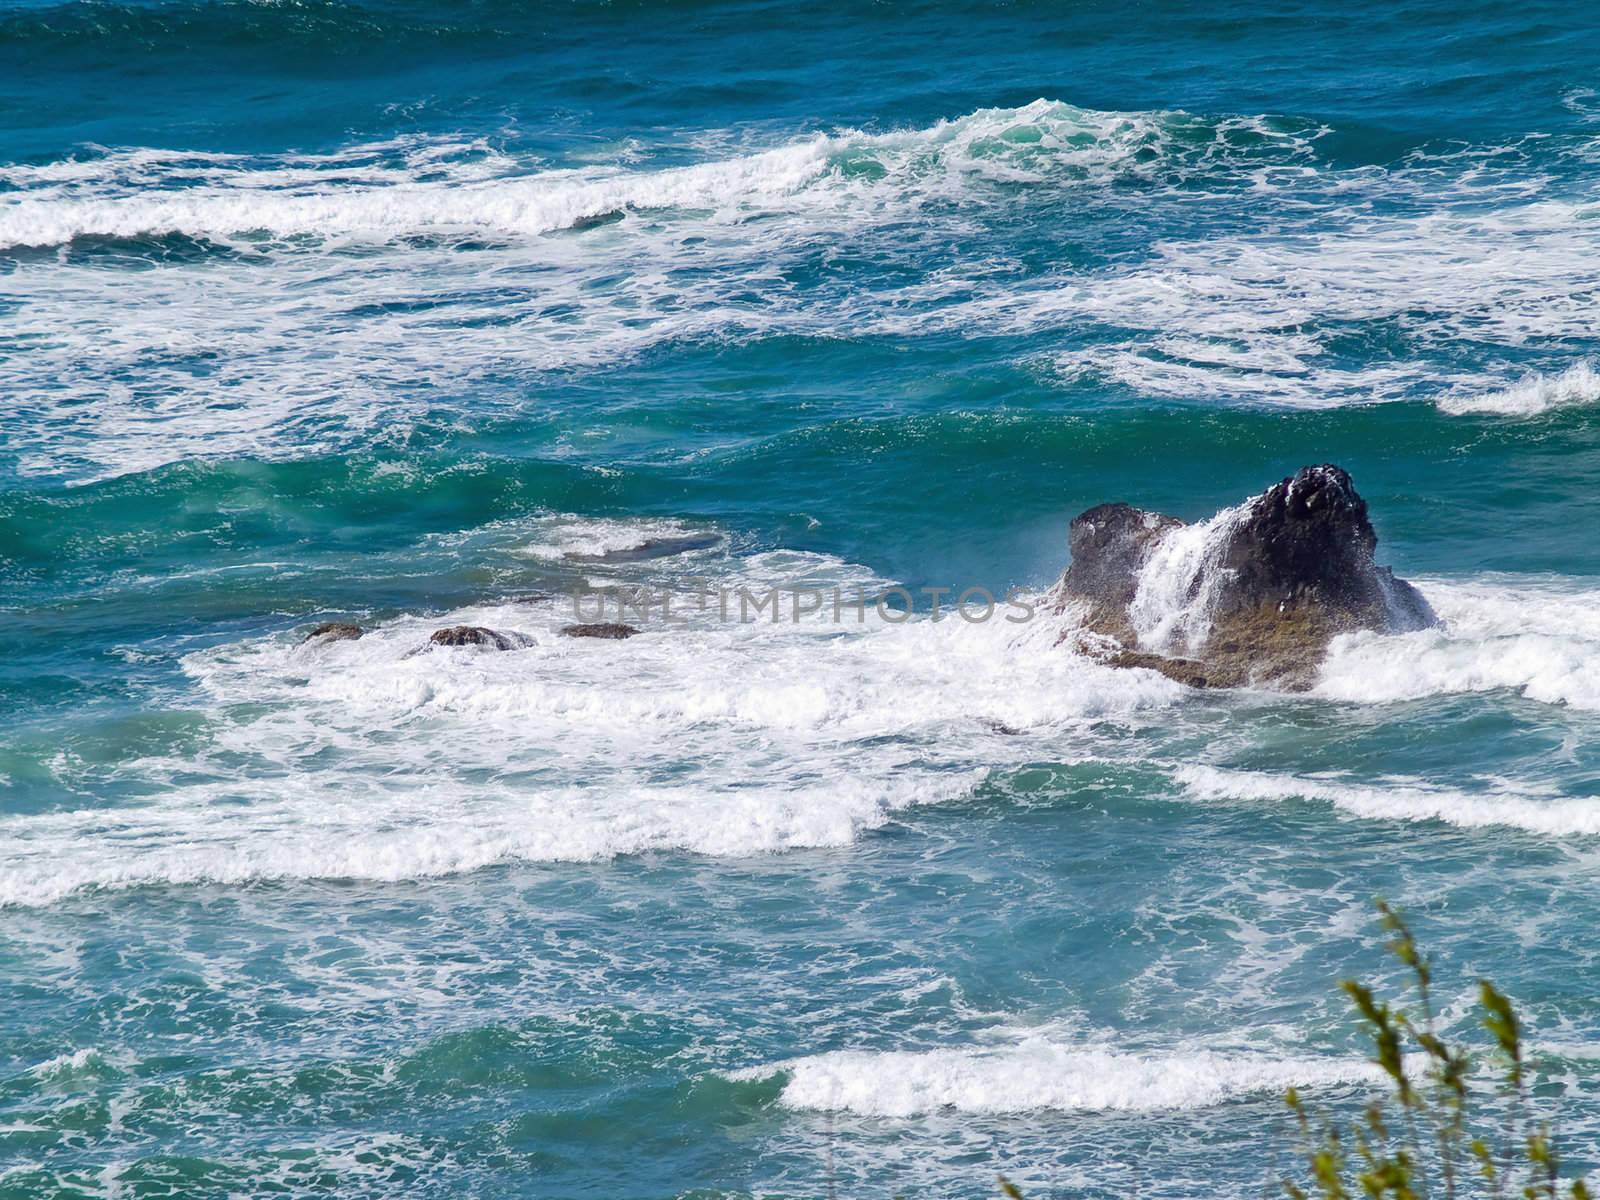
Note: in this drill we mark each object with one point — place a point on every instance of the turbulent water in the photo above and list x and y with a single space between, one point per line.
407 313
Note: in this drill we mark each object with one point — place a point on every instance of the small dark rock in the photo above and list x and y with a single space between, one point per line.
474 635
611 630
596 220
334 631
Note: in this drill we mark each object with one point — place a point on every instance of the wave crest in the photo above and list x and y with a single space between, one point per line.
1403 799
345 197
1039 1074
1539 639
1531 396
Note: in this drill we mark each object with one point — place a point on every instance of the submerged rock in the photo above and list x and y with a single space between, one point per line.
1252 596
650 548
334 631
612 630
475 635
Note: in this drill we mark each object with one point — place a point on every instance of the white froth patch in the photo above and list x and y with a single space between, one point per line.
331 828
1255 318
107 173
563 536
1039 1074
332 209
400 328
74 1066
1404 799
1538 638
1532 395
1179 583
357 195
380 759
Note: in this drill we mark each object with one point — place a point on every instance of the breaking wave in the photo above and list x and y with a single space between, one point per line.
1531 396
351 296
377 193
1178 585
1039 1074
1538 638
1404 799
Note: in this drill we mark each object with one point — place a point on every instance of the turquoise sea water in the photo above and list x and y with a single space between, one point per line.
394 312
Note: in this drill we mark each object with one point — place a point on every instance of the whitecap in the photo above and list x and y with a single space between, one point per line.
1539 638
1531 396
1040 1074
1404 799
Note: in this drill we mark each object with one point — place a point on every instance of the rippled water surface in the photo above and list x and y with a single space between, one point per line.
409 313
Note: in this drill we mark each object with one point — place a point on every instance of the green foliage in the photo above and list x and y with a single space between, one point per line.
1427 1152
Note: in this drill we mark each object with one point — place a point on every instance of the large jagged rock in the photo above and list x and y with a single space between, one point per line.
1252 596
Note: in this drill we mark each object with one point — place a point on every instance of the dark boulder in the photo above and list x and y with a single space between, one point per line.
609 630
1253 596
1307 542
475 635
334 631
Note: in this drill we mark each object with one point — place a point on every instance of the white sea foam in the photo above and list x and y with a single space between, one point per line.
341 197
104 173
1041 1074
74 1065
1540 638
337 325
1257 317
1404 799
517 206
1179 583
369 760
368 289
1530 396
332 828
565 536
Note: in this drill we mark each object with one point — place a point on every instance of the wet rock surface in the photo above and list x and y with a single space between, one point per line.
334 631
1110 544
608 630
475 635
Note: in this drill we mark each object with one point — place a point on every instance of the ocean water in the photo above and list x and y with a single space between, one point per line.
406 312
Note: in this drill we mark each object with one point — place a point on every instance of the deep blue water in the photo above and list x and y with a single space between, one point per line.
394 313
